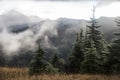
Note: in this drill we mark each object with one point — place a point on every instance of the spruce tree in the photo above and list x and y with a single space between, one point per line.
2 58
55 60
96 45
76 57
2 61
90 63
115 52
38 64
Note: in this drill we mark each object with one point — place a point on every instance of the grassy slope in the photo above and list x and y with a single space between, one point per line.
21 74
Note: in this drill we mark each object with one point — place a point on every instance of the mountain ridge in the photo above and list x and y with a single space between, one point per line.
59 33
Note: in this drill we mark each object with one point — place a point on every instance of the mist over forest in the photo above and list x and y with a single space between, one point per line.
20 35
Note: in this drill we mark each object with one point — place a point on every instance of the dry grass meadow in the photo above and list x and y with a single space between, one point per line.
21 74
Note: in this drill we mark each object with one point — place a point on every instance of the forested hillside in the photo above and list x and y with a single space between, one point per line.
22 34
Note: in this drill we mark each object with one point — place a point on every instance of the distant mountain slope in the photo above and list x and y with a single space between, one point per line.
58 35
13 20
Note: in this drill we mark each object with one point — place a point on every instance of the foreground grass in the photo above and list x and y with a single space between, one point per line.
21 74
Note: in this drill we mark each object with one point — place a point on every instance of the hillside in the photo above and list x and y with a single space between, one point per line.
21 34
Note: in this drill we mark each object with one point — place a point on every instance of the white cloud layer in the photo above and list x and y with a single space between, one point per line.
54 10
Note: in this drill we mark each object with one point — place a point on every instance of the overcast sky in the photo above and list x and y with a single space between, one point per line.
76 9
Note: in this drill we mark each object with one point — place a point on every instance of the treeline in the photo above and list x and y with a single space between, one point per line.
91 54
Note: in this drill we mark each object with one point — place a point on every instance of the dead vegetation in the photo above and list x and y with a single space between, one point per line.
21 74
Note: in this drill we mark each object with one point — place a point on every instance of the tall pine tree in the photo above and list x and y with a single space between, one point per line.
96 47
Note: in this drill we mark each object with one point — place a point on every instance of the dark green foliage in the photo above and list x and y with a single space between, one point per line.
58 63
2 60
49 69
39 65
62 64
55 60
115 52
96 56
90 64
77 55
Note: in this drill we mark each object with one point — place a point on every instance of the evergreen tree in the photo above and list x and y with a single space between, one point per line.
58 63
115 52
76 57
62 64
39 65
55 61
2 60
90 63
94 37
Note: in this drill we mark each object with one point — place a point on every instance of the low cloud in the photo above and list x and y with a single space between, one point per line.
12 43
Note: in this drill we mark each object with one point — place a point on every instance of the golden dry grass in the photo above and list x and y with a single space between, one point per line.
21 74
